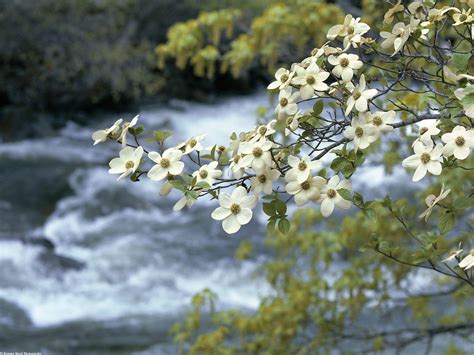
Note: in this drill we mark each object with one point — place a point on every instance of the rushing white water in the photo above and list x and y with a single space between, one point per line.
139 257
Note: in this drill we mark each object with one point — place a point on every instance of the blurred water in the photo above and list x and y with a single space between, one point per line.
121 253
124 266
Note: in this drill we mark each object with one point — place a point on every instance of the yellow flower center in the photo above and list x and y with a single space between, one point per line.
203 174
262 179
235 208
310 80
305 185
356 94
284 78
284 101
302 166
331 193
344 62
257 152
192 143
423 130
462 18
165 163
425 158
377 121
460 141
129 164
236 158
359 132
221 148
262 130
350 30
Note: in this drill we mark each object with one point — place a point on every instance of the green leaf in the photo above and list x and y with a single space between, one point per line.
269 209
464 202
345 194
284 226
446 222
161 136
370 213
318 107
280 206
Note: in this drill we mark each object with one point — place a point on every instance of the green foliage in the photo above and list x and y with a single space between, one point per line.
282 31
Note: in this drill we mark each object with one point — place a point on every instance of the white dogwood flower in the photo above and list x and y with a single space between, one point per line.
283 78
344 65
468 105
330 198
263 131
458 143
287 105
361 132
127 162
398 7
452 255
432 200
307 190
381 121
102 135
235 209
301 168
352 30
187 200
208 173
463 17
168 163
125 127
310 80
192 144
427 158
397 38
292 123
360 96
263 181
235 168
468 261
427 128
257 155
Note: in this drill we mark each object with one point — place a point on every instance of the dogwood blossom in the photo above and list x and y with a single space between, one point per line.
344 65
397 38
361 132
463 17
359 96
235 209
426 129
432 200
235 168
125 127
310 80
192 144
185 201
287 102
468 105
352 30
263 182
452 255
257 155
292 123
330 197
208 173
127 163
263 131
468 261
427 158
458 143
283 78
301 168
388 17
307 190
168 163
102 135
381 121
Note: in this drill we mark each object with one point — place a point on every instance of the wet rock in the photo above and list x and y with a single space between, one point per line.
54 262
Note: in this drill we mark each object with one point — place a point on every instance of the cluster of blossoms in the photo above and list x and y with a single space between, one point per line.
284 157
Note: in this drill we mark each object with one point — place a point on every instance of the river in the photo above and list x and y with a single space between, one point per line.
122 266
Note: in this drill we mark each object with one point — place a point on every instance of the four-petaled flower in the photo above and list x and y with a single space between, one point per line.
287 105
125 127
283 78
263 181
458 143
307 190
330 197
359 96
235 209
310 80
257 155
301 168
127 163
102 135
168 163
208 173
427 158
432 200
361 132
344 65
